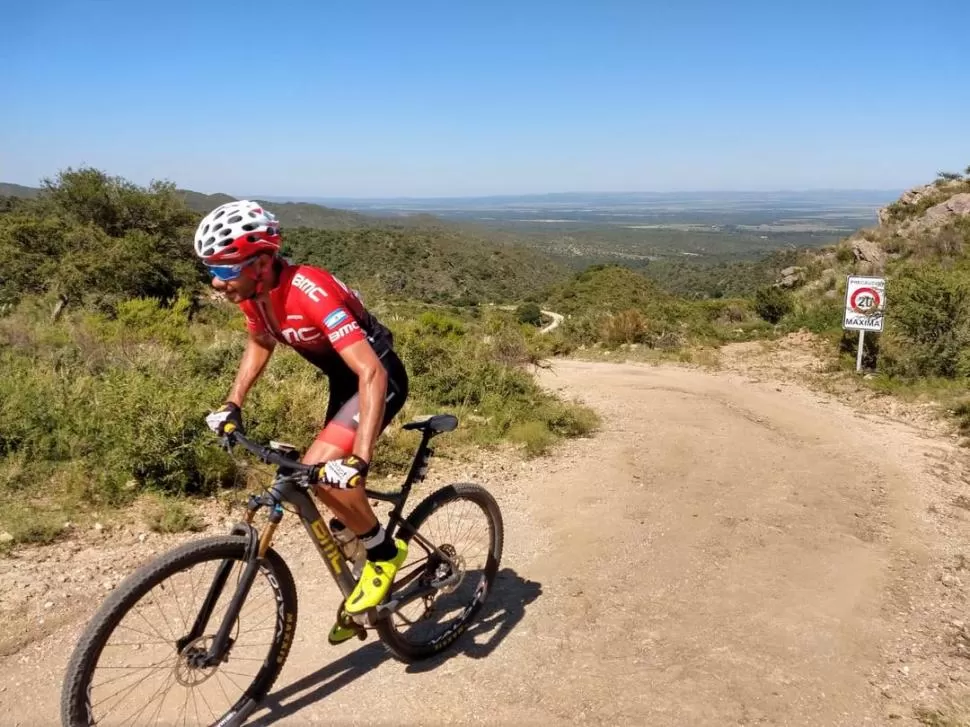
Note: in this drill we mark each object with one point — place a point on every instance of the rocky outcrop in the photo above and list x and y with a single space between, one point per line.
790 277
920 223
937 216
867 251
957 206
913 198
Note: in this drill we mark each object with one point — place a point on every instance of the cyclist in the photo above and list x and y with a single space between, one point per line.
326 323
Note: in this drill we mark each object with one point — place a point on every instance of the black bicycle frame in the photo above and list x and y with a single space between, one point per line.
284 489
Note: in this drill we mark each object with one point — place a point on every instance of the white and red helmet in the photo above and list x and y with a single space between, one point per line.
236 231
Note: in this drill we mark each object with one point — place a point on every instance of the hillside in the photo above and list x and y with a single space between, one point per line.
17 190
291 214
428 264
922 247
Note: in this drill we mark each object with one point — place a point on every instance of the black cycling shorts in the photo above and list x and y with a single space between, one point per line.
343 409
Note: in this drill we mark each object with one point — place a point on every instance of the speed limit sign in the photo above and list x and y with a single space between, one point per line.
865 304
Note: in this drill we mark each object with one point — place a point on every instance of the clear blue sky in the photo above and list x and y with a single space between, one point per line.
452 98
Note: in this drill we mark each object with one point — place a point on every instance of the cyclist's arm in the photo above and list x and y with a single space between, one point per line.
372 388
259 348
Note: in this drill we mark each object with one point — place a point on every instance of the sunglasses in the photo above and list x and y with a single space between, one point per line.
228 272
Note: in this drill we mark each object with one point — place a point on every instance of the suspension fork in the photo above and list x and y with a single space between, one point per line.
255 552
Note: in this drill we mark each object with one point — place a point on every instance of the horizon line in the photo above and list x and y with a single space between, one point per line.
778 190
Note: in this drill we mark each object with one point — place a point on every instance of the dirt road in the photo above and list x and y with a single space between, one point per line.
724 552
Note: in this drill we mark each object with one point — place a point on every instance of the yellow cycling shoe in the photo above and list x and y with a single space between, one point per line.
375 580
340 633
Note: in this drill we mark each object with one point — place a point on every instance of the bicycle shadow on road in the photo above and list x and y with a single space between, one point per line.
502 611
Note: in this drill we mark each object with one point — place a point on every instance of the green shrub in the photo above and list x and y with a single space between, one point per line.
928 330
529 313
844 254
772 304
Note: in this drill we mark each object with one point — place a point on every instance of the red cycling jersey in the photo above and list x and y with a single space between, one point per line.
313 312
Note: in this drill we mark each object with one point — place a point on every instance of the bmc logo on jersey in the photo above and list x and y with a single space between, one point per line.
313 291
301 335
343 331
335 319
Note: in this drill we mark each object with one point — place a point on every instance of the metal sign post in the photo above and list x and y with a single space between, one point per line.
865 306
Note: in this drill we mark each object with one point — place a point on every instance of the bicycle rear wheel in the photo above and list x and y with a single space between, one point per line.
465 522
128 669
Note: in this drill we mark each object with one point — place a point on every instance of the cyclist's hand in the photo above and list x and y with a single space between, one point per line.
228 414
346 473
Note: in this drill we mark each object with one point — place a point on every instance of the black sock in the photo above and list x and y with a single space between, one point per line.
379 546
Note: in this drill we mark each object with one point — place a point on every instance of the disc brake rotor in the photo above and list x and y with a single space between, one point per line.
187 671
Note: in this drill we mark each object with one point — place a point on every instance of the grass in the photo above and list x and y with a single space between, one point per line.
168 515
534 436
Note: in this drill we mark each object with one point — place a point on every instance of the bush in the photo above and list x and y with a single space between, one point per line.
529 313
928 331
772 304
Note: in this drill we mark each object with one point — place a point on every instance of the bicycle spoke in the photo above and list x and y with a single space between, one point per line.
129 628
164 618
153 667
170 676
207 705
158 712
183 712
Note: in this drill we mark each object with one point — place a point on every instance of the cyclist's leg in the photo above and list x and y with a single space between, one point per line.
337 439
352 506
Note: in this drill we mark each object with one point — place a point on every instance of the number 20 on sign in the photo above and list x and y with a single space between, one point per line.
865 305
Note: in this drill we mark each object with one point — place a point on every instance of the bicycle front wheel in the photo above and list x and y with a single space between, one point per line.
134 665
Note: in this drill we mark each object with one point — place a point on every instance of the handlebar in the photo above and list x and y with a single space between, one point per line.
266 454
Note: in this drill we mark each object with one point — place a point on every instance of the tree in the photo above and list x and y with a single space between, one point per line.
91 237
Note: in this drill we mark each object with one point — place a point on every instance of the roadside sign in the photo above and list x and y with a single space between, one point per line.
865 304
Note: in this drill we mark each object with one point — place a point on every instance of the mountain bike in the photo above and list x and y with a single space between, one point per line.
190 622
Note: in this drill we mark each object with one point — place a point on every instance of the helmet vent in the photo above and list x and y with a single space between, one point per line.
250 226
234 219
